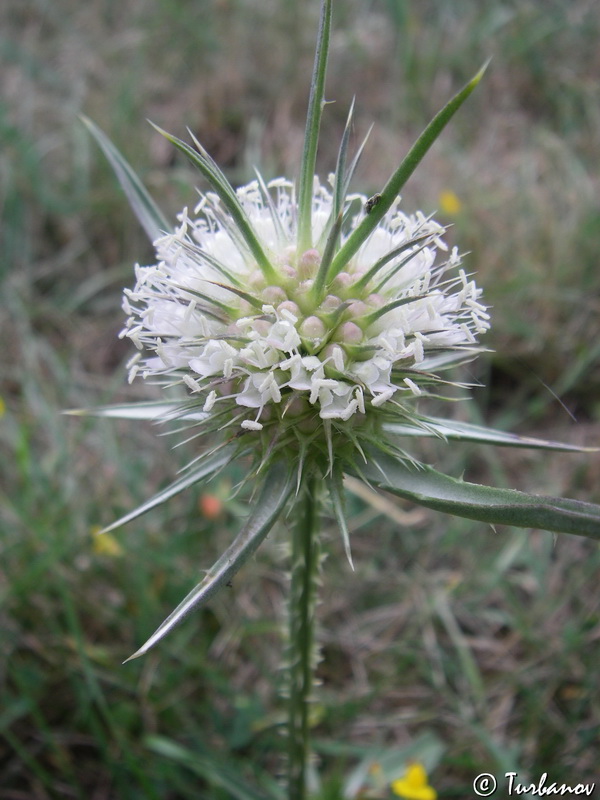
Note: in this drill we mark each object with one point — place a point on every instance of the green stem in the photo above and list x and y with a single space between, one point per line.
301 652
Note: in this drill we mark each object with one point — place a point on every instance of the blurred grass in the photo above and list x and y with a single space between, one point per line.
488 639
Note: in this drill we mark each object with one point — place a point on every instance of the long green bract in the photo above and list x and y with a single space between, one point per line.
340 181
277 487
156 411
402 174
433 489
466 431
228 197
336 493
397 251
313 124
208 466
148 213
328 253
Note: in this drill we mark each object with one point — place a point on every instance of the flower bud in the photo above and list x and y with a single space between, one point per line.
357 309
308 264
341 282
348 333
330 303
289 305
312 328
274 295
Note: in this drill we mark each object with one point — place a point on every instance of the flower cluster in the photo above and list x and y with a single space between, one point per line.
271 350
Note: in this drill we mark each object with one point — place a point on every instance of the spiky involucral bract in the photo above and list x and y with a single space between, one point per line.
302 358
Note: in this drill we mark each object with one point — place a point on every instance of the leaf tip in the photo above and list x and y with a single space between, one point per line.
160 130
109 528
137 654
479 75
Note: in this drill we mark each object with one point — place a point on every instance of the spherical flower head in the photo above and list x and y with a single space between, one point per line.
297 353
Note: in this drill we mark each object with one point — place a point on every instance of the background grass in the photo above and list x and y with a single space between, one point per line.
489 640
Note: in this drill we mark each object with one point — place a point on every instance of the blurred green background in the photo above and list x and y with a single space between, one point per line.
489 640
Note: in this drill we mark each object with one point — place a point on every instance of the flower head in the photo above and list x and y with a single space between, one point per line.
296 353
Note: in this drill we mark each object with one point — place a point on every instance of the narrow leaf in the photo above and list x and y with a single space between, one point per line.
340 182
356 159
228 197
433 489
249 298
402 174
397 251
281 234
208 466
197 252
156 411
402 301
149 215
336 492
450 357
277 487
313 124
328 251
465 431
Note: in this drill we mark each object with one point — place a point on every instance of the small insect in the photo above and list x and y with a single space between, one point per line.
372 202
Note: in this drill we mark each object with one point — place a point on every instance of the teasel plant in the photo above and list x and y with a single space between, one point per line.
305 327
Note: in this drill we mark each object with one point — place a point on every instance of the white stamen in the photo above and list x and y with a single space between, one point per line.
413 387
210 401
250 425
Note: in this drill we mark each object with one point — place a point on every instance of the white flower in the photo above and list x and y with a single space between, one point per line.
208 316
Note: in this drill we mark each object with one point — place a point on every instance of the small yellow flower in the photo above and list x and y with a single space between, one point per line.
413 784
449 203
104 544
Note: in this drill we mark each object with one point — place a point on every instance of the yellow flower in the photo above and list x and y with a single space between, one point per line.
104 544
449 203
413 784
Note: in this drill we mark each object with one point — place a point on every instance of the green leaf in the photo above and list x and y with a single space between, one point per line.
405 170
465 431
313 124
150 216
219 183
208 466
276 489
433 489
